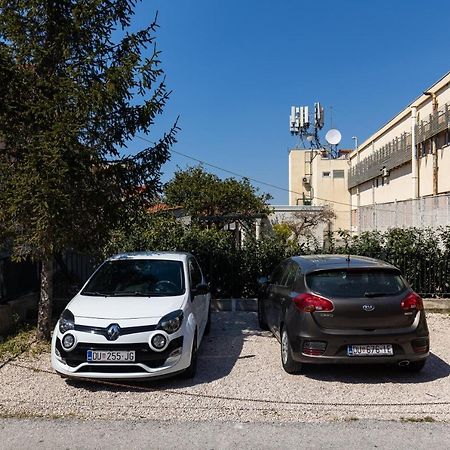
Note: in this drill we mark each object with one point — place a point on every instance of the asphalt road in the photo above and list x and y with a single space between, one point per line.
71 434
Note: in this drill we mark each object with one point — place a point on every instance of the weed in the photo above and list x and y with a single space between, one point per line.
24 341
428 419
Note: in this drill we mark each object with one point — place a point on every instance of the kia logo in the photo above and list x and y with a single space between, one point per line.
368 307
113 332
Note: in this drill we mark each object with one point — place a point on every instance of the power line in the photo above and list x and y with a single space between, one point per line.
244 176
405 213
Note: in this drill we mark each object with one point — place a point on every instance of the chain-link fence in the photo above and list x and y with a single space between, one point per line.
425 212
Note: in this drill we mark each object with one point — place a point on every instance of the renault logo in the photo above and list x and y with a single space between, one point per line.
113 332
368 307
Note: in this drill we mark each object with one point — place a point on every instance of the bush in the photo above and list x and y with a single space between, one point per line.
422 255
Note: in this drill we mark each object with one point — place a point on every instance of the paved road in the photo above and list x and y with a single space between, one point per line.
68 434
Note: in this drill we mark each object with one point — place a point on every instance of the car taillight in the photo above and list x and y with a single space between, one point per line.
311 303
314 348
412 301
421 345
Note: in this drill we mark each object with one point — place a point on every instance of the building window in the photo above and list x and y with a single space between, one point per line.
326 174
338 174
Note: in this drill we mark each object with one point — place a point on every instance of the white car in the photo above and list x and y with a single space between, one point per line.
140 315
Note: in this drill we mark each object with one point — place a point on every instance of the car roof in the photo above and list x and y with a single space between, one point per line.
170 256
311 263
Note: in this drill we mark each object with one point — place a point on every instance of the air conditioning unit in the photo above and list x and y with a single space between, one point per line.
306 180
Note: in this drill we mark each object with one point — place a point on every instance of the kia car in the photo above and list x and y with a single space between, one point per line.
343 309
140 315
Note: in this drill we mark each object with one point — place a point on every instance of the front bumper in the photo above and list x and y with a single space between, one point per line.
148 363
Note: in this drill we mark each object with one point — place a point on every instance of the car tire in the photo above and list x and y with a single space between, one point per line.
289 364
262 321
415 366
192 369
208 323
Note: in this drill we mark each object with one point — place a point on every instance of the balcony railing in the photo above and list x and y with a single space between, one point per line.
398 151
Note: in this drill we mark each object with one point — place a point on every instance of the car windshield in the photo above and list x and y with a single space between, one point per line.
356 283
137 277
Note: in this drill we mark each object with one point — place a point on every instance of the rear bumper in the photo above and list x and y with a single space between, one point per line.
405 347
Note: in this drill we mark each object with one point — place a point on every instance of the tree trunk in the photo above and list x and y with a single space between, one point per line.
44 324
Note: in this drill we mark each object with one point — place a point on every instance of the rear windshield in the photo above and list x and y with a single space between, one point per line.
137 277
356 283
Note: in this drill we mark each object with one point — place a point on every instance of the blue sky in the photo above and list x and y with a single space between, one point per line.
235 68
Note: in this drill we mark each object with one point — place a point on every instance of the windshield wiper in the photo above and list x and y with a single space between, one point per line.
130 294
97 294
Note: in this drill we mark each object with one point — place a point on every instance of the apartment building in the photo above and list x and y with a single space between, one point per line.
317 179
400 175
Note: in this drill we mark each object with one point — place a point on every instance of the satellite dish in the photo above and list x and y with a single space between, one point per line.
333 136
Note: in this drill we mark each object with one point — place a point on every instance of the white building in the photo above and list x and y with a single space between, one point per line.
400 176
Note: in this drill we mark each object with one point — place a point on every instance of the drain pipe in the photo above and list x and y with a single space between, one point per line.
414 159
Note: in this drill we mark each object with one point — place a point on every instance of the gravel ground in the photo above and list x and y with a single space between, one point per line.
240 379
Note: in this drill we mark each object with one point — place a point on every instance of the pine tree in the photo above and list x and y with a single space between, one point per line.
75 86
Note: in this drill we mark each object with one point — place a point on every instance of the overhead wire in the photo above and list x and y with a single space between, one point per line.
231 172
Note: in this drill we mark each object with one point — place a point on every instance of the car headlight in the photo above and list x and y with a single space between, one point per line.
66 321
171 322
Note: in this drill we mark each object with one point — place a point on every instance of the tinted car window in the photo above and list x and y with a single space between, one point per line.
355 283
195 272
137 277
277 274
289 275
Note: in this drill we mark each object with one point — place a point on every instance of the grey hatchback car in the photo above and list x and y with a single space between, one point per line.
343 309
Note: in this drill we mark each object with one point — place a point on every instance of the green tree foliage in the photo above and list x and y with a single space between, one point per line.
422 255
75 86
202 193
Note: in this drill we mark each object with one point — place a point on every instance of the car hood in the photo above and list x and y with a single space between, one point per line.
124 307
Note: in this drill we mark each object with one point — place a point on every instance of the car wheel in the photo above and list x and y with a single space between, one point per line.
261 316
415 366
208 323
289 364
192 369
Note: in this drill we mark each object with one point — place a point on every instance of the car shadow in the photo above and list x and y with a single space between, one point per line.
435 368
218 353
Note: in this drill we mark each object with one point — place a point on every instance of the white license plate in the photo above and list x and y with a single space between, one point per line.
370 350
111 356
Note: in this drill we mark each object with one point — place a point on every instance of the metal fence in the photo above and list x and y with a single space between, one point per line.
428 276
426 212
17 279
21 278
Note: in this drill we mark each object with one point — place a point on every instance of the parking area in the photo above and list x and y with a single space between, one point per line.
240 378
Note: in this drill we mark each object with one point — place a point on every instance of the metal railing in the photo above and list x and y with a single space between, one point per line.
392 155
398 151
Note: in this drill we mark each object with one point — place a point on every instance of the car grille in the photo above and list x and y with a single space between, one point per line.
144 354
116 368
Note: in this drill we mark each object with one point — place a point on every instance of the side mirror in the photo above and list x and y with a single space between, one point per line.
262 281
200 289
